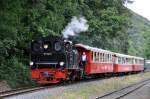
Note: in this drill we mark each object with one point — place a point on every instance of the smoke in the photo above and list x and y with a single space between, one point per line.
76 26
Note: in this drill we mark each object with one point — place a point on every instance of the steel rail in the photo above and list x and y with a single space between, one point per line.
136 85
36 88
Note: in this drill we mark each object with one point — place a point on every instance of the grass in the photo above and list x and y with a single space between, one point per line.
96 88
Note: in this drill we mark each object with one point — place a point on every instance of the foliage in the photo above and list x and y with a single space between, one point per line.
139 42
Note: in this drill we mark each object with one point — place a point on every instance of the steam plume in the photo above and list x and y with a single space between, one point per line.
76 26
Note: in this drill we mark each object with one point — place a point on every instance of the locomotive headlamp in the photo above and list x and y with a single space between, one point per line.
31 63
61 63
46 46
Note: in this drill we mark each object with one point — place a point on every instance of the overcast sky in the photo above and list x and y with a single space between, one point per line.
141 7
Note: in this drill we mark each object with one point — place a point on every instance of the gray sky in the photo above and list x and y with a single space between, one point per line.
141 7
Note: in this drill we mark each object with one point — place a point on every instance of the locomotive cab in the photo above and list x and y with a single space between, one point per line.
47 53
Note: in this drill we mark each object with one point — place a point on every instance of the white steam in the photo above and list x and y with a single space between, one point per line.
76 26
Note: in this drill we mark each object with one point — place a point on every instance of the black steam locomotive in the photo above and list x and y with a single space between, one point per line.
54 58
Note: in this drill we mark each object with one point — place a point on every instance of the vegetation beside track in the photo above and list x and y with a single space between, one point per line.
97 88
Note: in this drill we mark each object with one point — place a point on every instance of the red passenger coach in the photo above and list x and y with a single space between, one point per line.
98 60
138 64
123 63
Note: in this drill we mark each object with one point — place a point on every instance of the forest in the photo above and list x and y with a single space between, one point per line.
111 26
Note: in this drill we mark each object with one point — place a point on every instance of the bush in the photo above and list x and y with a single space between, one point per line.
15 73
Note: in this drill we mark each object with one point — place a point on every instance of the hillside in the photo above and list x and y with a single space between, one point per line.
139 36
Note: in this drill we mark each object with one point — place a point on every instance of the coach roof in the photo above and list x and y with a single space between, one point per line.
86 47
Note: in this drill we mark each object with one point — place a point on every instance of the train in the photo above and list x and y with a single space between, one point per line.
56 60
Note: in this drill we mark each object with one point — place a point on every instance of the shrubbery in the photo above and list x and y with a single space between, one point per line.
15 73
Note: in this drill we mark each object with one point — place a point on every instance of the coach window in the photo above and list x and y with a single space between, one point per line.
129 61
126 60
100 57
133 61
137 61
103 57
93 56
123 61
109 58
96 57
106 56
119 61
141 62
116 60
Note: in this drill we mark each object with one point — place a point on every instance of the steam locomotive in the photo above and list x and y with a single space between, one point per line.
55 59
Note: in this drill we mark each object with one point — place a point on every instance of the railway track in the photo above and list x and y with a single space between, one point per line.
19 91
118 94
37 88
25 90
